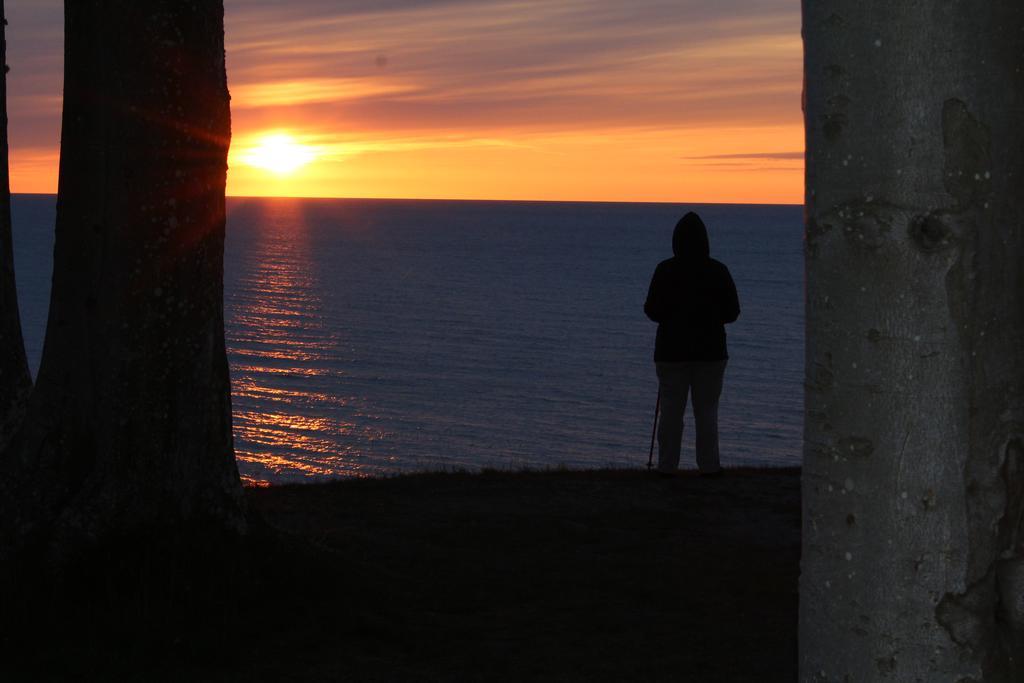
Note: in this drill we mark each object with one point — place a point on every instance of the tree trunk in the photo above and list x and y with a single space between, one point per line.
913 480
14 376
129 424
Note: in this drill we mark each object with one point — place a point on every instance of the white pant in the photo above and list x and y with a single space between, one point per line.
675 382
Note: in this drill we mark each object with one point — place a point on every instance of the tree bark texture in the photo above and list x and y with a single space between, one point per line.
129 424
14 375
913 479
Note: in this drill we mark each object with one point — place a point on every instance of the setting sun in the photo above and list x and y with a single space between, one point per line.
278 153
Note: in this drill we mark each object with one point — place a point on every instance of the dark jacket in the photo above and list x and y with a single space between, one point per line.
691 297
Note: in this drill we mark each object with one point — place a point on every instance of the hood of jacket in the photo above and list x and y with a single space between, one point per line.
690 239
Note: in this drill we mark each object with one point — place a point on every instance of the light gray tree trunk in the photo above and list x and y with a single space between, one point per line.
14 376
913 480
129 424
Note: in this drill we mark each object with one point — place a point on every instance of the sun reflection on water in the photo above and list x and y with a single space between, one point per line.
283 359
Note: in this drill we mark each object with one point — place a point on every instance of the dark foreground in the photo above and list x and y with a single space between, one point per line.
557 576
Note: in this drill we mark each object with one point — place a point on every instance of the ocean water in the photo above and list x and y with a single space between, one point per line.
369 337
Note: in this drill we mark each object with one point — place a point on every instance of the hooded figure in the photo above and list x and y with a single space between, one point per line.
692 297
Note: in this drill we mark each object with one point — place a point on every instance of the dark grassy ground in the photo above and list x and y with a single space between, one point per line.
555 576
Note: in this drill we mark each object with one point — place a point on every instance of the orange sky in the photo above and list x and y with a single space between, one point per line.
603 100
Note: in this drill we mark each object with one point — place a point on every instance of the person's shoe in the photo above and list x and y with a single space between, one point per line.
664 474
713 475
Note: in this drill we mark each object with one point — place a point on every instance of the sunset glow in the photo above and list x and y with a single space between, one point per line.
594 100
278 153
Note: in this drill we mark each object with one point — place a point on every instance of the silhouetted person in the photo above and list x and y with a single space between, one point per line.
692 297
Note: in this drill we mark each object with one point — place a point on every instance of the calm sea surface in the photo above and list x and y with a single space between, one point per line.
376 336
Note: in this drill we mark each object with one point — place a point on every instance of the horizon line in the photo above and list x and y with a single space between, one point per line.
465 199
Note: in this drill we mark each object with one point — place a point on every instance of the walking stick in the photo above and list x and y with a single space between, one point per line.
654 430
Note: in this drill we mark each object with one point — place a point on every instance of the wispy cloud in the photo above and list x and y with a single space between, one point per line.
754 155
529 64
304 91
35 83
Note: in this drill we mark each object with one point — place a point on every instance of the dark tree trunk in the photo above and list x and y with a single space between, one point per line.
129 424
913 484
14 375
